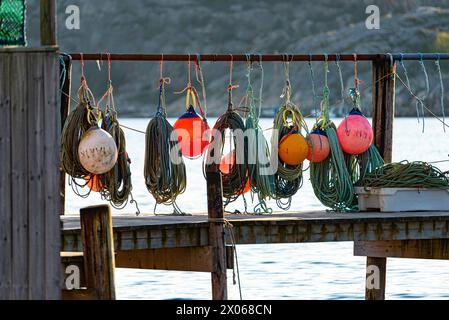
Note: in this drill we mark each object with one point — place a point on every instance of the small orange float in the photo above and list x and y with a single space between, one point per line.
293 149
318 146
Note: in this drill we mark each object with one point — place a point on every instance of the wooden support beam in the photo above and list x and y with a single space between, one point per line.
66 90
383 106
375 267
217 234
383 117
412 249
98 244
178 259
48 23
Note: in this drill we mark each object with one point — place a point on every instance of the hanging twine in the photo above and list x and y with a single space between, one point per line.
421 100
164 169
261 179
437 63
288 179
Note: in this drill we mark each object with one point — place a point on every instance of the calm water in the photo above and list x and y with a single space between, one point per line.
284 271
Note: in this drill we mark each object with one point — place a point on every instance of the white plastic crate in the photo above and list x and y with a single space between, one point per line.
402 199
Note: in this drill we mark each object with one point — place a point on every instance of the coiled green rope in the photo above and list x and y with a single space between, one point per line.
406 174
164 169
330 178
258 156
288 179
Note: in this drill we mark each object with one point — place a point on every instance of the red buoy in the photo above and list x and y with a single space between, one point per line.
355 133
226 164
193 133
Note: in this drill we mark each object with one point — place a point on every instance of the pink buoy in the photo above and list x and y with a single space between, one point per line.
355 133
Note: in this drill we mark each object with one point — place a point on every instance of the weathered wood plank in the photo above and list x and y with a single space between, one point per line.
66 90
36 156
181 259
51 174
19 167
413 249
48 22
217 235
376 267
5 179
99 260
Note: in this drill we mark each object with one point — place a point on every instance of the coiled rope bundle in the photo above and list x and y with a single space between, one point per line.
164 169
331 180
287 179
233 182
118 182
261 174
406 174
76 124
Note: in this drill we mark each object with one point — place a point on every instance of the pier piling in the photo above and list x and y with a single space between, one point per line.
98 249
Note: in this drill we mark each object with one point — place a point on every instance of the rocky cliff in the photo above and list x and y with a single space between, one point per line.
263 26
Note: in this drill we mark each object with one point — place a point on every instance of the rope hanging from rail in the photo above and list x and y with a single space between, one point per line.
360 164
76 124
330 178
164 169
118 186
258 153
235 172
288 178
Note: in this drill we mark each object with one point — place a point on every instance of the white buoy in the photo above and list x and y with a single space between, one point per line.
97 151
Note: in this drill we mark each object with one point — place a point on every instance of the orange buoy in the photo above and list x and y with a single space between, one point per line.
193 133
293 149
226 164
97 151
318 146
94 182
355 133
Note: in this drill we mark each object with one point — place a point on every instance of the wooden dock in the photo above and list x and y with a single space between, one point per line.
183 242
157 232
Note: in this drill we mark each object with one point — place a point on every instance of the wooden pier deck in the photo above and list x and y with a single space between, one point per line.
186 243
154 232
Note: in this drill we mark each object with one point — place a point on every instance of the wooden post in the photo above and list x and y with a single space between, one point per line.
376 267
66 90
48 23
383 117
217 235
383 106
98 244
